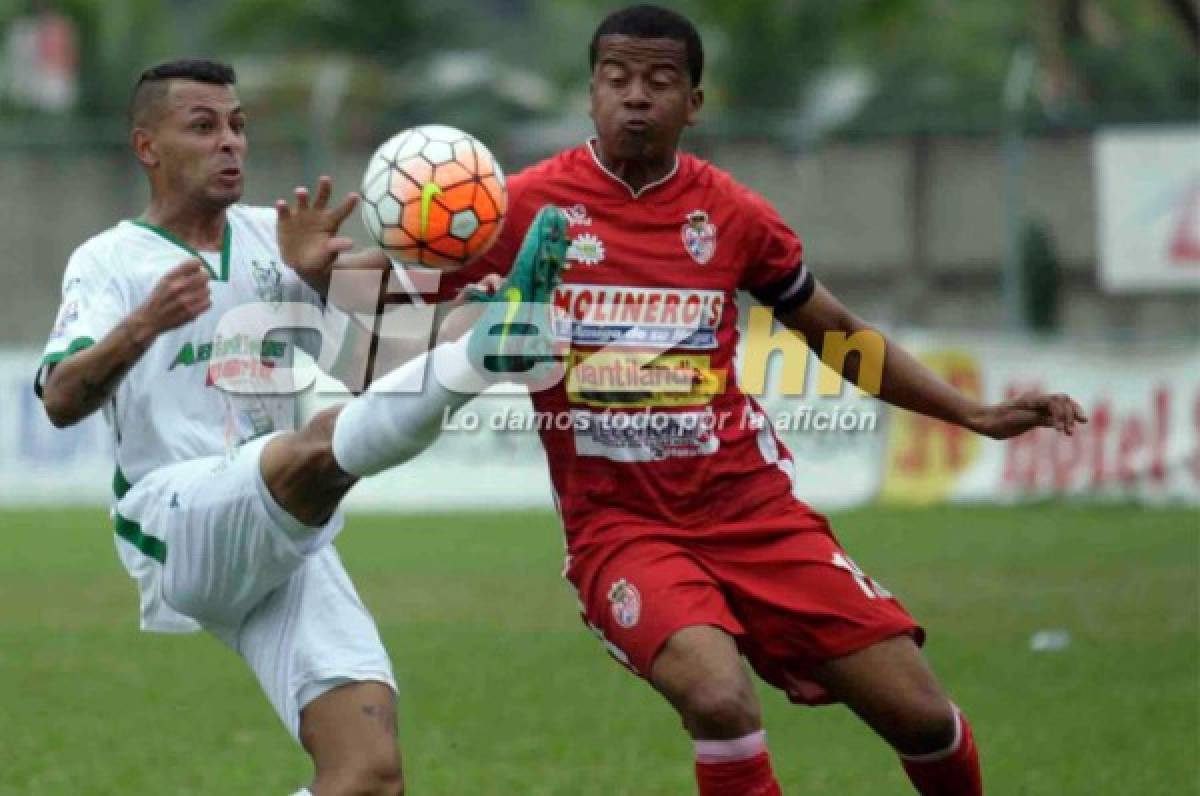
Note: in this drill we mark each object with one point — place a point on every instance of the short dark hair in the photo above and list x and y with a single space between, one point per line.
152 83
653 22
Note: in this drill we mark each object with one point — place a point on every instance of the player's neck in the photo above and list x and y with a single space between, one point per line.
200 228
636 174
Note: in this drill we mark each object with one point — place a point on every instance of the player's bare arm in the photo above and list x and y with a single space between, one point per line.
908 384
80 384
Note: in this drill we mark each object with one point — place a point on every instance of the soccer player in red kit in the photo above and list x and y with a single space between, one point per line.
685 543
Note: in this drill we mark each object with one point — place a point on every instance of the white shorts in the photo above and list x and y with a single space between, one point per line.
210 548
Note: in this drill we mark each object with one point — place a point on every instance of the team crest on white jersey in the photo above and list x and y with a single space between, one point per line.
586 249
577 216
700 236
626 603
268 281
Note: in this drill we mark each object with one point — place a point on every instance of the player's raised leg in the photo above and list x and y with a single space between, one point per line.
401 414
701 674
350 732
309 471
891 687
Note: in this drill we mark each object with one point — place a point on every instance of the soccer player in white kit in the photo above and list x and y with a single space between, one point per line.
224 513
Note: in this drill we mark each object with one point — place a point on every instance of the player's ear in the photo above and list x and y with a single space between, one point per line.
695 103
144 147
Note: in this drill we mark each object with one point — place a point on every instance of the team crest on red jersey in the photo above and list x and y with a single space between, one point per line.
626 603
699 236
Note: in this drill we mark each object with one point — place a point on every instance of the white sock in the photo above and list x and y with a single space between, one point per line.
401 414
303 792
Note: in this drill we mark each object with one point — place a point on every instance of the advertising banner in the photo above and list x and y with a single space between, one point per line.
1142 442
1148 206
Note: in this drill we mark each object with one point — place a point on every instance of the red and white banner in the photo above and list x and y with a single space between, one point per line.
1142 442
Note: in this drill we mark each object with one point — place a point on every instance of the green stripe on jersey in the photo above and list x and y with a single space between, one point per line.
76 345
226 245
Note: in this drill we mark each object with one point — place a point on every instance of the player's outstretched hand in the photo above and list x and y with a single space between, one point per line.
1027 411
308 231
180 296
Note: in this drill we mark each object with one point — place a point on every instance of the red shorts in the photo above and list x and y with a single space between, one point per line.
790 596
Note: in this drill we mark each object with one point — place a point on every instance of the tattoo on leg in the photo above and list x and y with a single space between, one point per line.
384 714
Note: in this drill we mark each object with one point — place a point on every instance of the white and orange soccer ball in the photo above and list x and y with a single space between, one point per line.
434 196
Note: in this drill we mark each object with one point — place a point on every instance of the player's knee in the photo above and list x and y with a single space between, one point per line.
928 725
367 775
382 779
721 709
315 451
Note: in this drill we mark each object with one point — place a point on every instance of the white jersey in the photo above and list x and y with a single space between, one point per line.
174 404
169 407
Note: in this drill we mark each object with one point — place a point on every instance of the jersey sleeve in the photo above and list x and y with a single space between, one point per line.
775 273
92 305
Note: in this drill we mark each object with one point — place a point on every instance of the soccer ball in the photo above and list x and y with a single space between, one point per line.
434 196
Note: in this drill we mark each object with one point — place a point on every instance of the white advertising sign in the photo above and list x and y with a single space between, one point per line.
1148 205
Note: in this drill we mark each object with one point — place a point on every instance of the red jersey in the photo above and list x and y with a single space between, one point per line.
649 426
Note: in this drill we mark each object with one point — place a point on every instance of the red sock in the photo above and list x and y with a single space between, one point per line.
954 772
740 767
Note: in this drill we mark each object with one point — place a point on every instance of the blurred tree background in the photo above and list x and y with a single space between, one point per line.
790 68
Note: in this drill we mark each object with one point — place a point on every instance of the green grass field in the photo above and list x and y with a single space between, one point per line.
505 692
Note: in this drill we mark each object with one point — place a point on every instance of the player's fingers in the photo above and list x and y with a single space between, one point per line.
187 268
301 197
490 284
339 244
1053 413
324 191
1068 414
283 210
1064 411
344 209
1080 415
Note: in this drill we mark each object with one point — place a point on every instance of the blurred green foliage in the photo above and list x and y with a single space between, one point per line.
929 64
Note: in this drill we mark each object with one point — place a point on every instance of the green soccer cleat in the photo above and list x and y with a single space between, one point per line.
516 333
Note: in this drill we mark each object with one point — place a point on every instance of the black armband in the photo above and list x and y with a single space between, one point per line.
788 293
